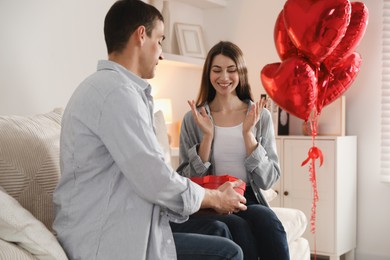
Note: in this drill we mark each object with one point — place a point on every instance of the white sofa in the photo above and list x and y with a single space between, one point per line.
29 172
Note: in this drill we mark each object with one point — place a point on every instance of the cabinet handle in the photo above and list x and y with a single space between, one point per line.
285 193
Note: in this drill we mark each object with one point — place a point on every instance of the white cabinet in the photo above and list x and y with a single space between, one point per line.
336 181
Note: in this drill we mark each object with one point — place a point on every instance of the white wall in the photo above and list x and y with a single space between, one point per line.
47 47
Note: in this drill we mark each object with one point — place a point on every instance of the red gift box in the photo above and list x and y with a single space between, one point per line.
213 182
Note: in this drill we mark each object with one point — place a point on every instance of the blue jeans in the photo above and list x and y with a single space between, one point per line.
258 231
213 224
191 246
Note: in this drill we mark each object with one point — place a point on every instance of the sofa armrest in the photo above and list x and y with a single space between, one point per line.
294 222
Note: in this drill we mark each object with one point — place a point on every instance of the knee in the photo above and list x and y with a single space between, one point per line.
219 228
231 250
268 218
237 254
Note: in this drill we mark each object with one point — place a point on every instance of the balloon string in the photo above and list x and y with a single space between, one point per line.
313 178
313 125
315 247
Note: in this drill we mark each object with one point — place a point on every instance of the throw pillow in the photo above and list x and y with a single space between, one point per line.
29 161
19 226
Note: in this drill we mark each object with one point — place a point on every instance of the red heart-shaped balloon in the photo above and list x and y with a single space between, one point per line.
284 46
339 80
292 85
323 76
352 37
316 27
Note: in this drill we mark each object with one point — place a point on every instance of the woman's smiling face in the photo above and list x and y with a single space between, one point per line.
224 75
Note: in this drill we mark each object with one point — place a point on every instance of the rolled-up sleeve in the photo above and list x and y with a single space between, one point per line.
191 165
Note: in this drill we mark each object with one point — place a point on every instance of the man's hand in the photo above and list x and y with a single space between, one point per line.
225 200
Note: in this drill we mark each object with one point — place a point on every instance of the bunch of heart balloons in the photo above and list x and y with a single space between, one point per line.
316 41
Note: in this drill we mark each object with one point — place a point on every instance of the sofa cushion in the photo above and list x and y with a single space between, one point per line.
19 226
294 222
12 251
29 161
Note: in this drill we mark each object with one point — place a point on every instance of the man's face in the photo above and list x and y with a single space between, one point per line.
152 51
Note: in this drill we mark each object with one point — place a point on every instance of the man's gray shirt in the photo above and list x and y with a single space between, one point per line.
116 194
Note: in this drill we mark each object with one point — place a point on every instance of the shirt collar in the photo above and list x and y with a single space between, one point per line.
111 65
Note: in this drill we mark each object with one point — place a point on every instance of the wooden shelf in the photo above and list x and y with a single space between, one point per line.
183 61
205 4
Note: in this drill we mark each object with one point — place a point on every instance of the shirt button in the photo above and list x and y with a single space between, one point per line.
169 241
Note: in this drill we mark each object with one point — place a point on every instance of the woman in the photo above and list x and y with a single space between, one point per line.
227 133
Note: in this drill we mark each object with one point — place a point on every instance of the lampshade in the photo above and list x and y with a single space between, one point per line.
165 105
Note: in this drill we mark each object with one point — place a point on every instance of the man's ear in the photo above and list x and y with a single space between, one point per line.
141 34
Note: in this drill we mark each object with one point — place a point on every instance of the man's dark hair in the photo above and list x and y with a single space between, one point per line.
123 18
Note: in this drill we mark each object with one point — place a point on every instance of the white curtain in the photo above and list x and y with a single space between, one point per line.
385 117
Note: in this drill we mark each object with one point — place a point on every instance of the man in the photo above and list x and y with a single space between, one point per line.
116 195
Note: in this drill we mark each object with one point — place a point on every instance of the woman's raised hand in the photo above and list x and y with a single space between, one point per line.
254 115
202 119
250 121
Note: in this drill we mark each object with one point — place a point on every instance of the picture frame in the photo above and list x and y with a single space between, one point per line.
190 40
